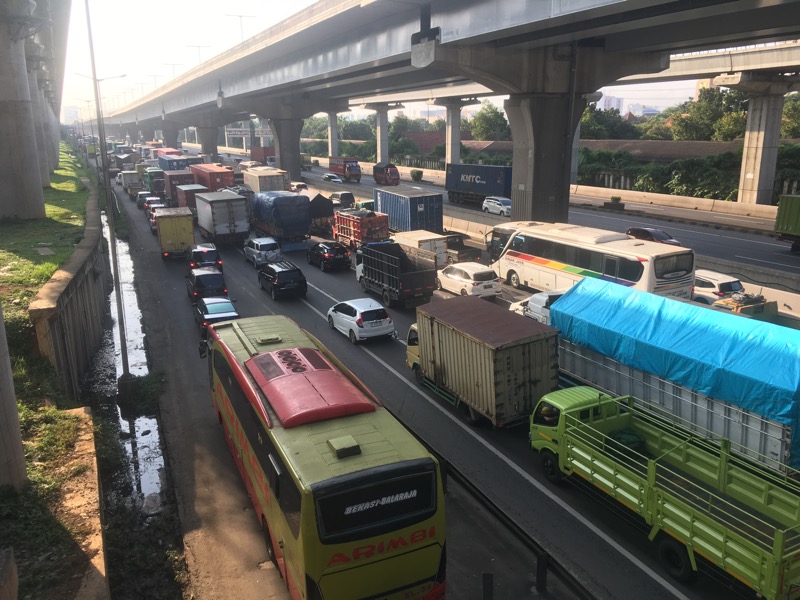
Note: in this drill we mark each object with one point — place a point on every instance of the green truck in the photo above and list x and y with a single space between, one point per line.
787 221
697 498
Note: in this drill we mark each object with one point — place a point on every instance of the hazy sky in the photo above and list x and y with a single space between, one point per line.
151 41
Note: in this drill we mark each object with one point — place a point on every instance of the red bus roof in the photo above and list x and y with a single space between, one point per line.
302 386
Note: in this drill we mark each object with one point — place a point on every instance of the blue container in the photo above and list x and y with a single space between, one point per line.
171 162
410 209
478 180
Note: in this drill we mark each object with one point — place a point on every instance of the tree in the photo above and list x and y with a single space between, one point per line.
439 125
790 125
599 124
490 124
398 127
730 126
697 123
357 130
654 128
315 127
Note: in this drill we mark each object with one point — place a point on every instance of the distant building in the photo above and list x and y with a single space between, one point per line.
609 103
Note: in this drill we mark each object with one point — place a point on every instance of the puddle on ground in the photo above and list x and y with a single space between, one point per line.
139 435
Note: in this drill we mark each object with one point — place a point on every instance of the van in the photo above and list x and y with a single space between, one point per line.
346 199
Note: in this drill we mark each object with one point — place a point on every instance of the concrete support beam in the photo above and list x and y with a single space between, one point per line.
208 140
21 194
542 153
333 134
170 132
382 127
762 132
38 110
287 145
453 125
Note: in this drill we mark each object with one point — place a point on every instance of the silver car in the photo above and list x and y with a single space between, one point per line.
261 251
497 205
360 319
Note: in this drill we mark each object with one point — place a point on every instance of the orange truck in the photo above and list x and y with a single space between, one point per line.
345 167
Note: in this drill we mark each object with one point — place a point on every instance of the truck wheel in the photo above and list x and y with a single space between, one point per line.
363 283
450 260
418 375
550 467
513 279
268 543
387 299
674 557
474 416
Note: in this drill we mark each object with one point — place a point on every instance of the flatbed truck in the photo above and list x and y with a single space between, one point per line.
698 499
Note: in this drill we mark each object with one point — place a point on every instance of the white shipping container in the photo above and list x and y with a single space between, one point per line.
223 214
266 179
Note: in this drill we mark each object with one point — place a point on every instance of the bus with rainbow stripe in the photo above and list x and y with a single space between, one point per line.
555 256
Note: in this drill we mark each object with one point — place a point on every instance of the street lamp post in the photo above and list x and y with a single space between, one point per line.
126 376
173 65
199 60
241 28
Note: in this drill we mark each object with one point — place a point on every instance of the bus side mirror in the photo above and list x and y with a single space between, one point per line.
203 349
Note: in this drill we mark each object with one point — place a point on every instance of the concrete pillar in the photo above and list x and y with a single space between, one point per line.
762 132
170 132
542 154
207 136
382 126
286 133
333 134
21 193
12 457
34 55
453 134
253 137
760 150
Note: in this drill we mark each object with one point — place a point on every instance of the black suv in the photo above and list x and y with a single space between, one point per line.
328 255
205 255
282 278
204 282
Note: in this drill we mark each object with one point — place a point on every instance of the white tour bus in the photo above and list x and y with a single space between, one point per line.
554 256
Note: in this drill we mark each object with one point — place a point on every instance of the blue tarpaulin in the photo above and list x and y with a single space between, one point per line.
287 213
744 362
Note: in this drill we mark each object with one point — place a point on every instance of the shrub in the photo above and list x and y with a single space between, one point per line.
416 175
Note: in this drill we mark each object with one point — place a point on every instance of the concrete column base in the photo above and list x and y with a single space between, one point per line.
207 136
333 134
287 145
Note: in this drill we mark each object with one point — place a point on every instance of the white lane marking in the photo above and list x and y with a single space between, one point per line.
769 262
530 480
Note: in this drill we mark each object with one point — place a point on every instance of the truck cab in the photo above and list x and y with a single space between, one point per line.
538 305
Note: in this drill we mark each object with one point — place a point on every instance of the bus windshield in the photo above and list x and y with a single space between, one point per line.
358 506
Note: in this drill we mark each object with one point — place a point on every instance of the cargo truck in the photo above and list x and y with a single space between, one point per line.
186 196
473 183
494 362
262 153
385 174
354 227
266 179
698 499
458 251
212 176
153 181
321 209
398 274
222 217
172 179
410 208
175 162
713 372
175 228
285 216
346 167
131 183
426 240
787 221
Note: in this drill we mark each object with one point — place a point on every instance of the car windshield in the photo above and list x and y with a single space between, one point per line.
211 281
289 275
483 276
376 314
219 307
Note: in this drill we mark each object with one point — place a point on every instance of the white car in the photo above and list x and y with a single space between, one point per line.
497 205
332 177
469 279
710 286
119 178
360 319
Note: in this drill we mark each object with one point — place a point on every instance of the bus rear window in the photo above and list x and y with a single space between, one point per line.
357 511
674 265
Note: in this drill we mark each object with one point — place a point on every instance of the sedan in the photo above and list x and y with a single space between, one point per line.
469 279
328 255
360 319
332 177
651 234
213 310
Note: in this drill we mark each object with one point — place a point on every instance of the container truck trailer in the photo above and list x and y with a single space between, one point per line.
223 217
787 221
494 362
473 183
409 208
212 176
172 179
266 179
